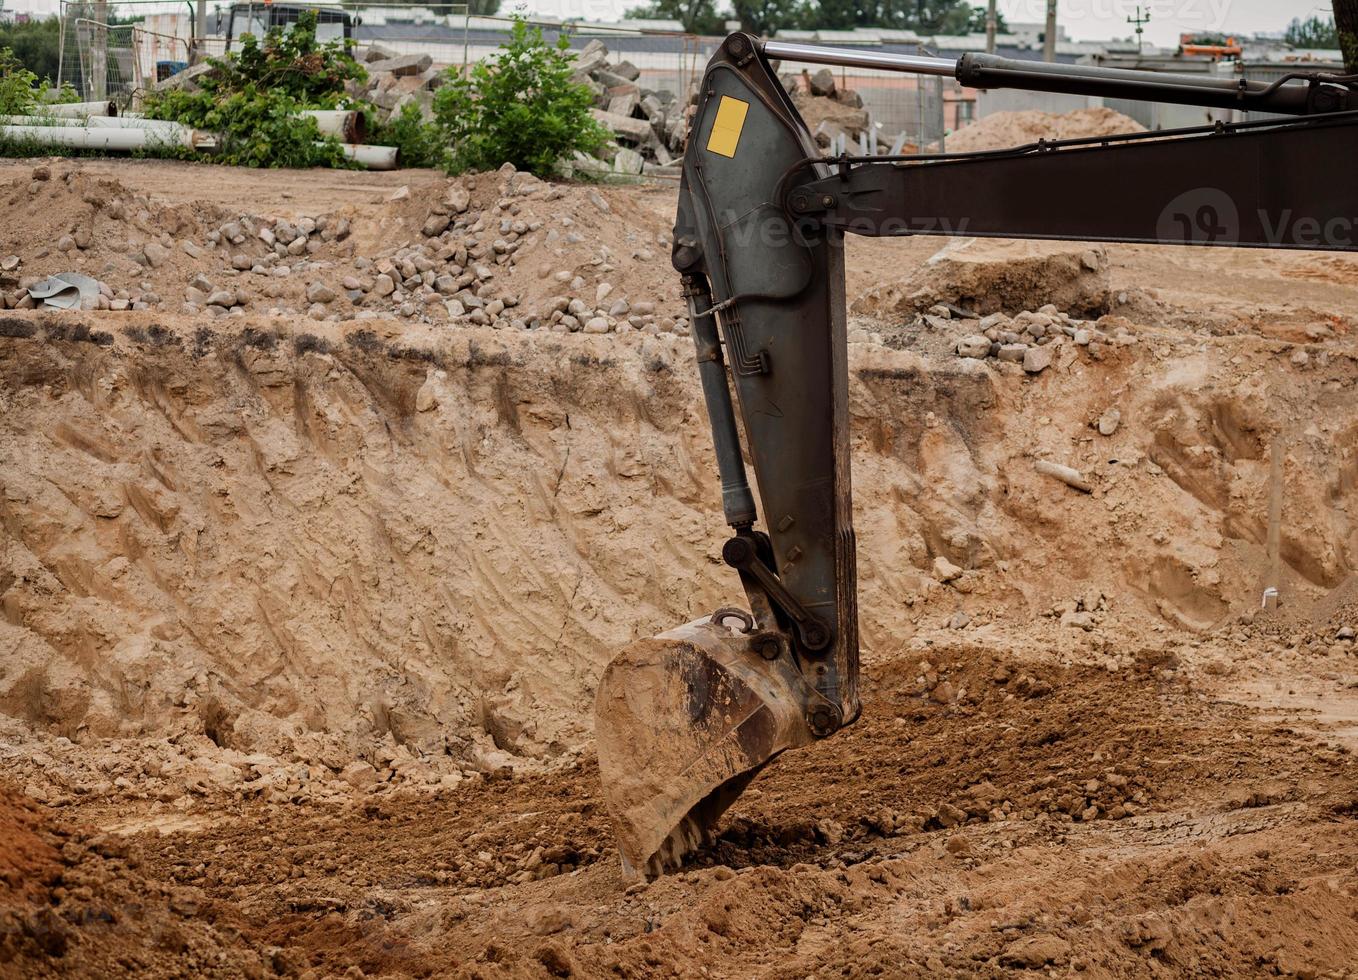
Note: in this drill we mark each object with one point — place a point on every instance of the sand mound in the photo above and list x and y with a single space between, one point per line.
1007 129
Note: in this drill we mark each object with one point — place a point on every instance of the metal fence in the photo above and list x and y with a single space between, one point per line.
115 50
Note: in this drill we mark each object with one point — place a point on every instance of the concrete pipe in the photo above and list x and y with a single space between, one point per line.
345 125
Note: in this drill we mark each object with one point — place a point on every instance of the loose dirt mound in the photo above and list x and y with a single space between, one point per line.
498 249
72 903
1001 277
1003 130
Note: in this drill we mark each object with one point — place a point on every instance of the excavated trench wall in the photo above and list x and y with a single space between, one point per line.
300 546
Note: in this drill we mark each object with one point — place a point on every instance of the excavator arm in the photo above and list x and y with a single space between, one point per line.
686 719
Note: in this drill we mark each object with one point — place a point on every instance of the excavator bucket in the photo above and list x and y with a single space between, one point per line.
684 721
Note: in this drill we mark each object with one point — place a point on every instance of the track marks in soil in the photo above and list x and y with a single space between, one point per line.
965 776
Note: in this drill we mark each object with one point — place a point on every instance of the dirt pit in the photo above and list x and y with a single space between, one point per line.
303 612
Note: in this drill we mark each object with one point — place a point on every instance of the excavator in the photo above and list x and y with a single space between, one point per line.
686 719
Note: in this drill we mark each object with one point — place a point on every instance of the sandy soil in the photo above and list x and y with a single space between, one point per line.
302 614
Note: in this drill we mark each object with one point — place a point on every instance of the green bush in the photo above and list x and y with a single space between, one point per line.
17 85
521 108
421 144
253 99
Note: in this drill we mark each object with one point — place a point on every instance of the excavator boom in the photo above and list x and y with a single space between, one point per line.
686 719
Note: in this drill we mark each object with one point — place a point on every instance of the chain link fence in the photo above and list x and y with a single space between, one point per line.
117 50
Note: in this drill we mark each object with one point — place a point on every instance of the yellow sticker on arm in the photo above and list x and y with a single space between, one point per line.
725 136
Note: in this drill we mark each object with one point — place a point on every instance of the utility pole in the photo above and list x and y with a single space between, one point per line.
1049 39
199 32
992 26
97 86
1140 19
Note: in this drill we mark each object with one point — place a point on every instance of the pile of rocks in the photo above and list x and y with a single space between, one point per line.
651 125
1031 339
835 116
505 250
396 79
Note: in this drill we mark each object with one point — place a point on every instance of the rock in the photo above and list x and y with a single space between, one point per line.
1078 620
222 297
974 345
1300 358
319 292
628 161
823 83
436 225
359 775
626 127
945 571
596 324
400 194
67 244
384 285
241 262
1109 421
1035 952
1345 633
406 64
379 52
959 621
1013 353
1037 359
458 197
154 253
9 263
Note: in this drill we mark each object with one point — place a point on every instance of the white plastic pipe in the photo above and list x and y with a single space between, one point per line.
81 109
372 157
39 120
345 125
163 126
93 138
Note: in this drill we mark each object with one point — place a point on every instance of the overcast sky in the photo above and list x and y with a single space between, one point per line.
1083 19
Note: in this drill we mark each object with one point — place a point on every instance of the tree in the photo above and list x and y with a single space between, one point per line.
34 44
1314 32
697 16
766 17
1346 20
925 16
977 22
